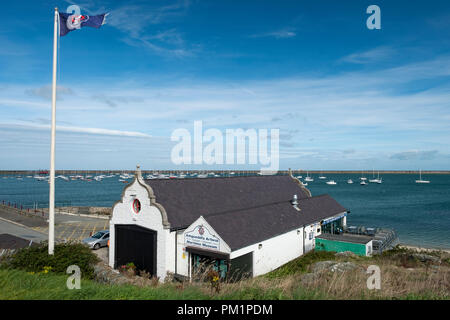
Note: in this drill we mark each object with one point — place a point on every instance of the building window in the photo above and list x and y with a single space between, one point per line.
136 206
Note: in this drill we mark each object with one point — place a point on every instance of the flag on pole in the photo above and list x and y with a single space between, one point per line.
69 22
65 22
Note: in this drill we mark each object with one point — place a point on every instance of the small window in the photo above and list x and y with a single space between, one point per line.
136 206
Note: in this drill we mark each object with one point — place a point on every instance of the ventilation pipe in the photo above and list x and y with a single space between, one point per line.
294 202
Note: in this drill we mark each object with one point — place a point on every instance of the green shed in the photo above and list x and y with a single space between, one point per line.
358 244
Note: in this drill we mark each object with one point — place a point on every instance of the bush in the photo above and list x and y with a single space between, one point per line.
36 259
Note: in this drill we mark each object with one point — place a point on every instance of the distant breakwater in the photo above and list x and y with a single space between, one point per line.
220 172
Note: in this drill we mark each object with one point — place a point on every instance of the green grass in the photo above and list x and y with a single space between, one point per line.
282 283
301 264
17 284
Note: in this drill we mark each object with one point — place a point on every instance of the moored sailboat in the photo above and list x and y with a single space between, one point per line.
420 178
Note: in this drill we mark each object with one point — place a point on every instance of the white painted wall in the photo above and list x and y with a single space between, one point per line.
369 248
149 217
182 255
312 230
274 252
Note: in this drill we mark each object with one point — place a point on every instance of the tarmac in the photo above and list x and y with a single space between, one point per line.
67 227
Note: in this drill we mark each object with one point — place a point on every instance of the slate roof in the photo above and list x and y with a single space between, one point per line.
242 210
249 226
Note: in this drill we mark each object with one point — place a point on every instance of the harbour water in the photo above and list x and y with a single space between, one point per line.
420 213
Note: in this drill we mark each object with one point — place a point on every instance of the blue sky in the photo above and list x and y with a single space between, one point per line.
342 96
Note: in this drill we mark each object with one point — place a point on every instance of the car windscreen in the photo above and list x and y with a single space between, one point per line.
98 235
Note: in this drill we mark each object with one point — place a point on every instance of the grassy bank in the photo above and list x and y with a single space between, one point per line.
403 276
17 284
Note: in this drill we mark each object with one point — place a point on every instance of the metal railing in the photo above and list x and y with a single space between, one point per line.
383 239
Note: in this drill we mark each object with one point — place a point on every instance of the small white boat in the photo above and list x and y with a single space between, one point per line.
362 176
308 178
363 183
420 179
303 184
331 182
322 176
373 177
349 181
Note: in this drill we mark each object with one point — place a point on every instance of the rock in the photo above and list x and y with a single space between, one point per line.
333 266
309 278
426 258
345 254
105 274
322 266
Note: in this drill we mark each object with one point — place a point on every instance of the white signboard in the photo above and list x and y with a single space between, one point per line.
201 237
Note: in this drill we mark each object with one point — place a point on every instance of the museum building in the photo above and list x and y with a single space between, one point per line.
240 226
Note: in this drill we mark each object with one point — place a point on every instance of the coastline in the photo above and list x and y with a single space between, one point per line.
225 172
418 248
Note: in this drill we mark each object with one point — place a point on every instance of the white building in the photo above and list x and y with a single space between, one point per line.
240 225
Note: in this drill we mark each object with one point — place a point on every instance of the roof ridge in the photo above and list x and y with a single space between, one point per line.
233 177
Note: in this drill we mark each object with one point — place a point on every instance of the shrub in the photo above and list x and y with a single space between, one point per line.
36 259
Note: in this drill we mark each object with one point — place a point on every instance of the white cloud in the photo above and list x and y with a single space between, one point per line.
137 22
369 113
45 92
72 129
370 56
278 34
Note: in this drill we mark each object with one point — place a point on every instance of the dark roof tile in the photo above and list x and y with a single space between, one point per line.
243 210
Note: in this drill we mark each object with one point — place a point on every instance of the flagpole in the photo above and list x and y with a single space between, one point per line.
51 208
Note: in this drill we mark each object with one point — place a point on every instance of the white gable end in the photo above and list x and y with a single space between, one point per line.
201 235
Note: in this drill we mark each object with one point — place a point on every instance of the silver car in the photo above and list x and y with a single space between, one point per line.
98 240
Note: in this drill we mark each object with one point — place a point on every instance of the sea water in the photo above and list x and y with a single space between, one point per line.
419 213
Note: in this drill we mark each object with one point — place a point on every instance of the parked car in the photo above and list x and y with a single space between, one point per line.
98 240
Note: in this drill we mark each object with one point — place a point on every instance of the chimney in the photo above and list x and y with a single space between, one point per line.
294 202
138 172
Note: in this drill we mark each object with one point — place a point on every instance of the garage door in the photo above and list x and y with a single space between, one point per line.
135 244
